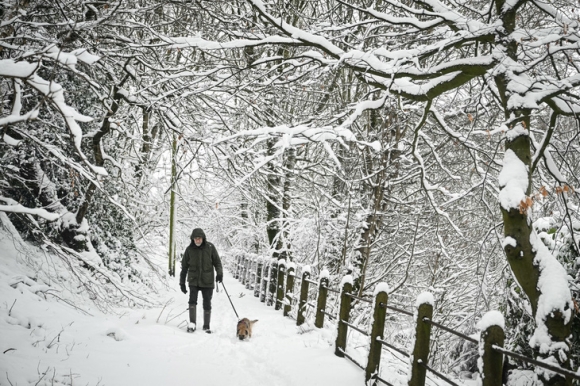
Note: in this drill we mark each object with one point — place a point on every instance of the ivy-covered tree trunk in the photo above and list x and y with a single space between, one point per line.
525 253
521 252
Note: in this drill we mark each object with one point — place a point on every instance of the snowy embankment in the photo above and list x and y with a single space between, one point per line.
45 341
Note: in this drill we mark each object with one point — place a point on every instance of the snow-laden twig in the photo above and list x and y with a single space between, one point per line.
427 186
163 309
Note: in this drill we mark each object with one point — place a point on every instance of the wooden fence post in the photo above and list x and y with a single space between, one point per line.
491 328
272 287
289 288
264 283
241 274
249 272
237 273
245 269
322 295
302 303
258 282
424 309
343 315
377 332
280 284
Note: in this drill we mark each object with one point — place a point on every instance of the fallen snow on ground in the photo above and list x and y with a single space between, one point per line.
51 334
45 341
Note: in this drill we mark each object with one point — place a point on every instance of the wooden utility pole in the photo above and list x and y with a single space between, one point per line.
172 208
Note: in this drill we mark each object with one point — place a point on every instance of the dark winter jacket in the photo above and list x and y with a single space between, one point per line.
198 263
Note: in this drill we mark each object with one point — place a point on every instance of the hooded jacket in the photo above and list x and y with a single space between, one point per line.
198 263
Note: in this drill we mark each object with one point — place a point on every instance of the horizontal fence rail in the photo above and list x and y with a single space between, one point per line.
399 310
355 328
332 290
536 362
387 344
273 282
451 331
359 298
438 374
352 359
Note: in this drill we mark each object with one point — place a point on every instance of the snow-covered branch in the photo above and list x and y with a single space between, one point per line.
14 207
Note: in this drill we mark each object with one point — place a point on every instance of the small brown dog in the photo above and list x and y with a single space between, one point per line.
244 329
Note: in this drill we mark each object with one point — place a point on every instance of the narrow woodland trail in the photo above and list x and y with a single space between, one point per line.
278 353
51 343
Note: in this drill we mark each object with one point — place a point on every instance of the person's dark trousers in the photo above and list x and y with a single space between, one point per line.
206 294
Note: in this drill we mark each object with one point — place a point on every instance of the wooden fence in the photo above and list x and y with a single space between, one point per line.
273 283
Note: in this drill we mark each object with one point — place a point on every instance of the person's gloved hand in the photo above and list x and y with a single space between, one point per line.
219 278
183 289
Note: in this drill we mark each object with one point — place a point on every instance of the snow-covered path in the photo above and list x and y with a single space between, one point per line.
49 341
276 355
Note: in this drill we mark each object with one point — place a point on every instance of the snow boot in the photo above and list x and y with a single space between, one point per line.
192 316
206 320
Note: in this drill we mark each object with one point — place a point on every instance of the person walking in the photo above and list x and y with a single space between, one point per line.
198 263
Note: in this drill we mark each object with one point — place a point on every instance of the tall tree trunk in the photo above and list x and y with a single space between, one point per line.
146 146
376 193
289 178
521 241
521 255
273 202
71 231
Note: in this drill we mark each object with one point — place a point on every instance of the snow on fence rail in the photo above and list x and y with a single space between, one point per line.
267 277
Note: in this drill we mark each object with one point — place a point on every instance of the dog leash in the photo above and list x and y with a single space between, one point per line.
230 300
